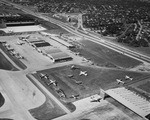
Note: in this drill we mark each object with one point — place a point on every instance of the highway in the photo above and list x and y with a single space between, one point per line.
89 36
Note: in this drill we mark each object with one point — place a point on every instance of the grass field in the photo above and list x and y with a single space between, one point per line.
14 59
103 56
2 100
97 78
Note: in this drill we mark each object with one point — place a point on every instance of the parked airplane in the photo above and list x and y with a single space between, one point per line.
70 76
74 96
6 45
77 53
128 77
20 43
24 38
73 67
13 53
83 73
78 82
19 56
10 31
119 81
40 51
43 76
61 93
96 99
10 49
52 82
30 44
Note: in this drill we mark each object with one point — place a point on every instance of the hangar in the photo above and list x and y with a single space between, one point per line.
55 54
61 56
131 100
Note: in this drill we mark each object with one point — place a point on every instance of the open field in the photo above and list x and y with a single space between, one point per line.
97 78
103 56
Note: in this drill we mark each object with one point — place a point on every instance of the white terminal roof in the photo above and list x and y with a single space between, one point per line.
23 29
131 100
